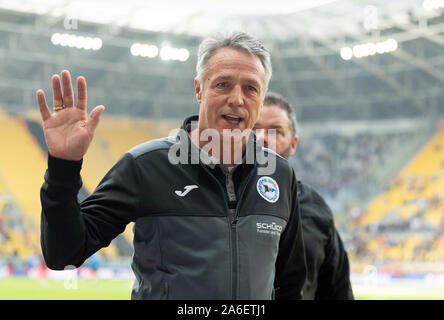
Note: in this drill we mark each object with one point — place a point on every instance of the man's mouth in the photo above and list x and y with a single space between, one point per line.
232 119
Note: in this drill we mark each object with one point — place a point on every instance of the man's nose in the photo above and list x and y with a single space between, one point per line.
236 96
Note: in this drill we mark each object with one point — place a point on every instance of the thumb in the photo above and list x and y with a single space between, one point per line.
94 118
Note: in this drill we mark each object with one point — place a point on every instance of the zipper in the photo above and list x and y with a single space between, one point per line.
234 237
232 228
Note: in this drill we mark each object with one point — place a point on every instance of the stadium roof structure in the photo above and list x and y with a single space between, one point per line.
333 59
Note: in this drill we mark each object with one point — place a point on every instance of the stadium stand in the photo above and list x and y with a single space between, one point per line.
406 222
349 164
16 239
415 186
22 176
121 134
96 163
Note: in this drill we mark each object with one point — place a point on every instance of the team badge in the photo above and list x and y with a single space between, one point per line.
268 189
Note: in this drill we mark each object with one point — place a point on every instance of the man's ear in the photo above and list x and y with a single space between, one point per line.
197 90
293 144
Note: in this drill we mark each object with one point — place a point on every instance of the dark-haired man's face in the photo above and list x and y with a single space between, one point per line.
273 117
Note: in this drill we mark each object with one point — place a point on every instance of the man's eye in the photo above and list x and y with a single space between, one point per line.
221 85
251 88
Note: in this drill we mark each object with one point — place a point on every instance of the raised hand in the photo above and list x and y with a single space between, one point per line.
68 131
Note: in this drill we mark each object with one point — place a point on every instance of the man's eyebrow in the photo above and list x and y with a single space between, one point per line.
273 126
249 81
222 78
253 82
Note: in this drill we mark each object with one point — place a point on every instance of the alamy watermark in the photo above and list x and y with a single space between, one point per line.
70 279
70 23
236 148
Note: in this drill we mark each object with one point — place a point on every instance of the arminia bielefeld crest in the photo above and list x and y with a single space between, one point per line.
268 189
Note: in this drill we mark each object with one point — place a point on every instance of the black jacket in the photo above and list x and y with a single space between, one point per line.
328 271
188 247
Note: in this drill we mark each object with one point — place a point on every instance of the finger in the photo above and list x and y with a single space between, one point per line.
57 99
43 106
81 93
94 118
68 96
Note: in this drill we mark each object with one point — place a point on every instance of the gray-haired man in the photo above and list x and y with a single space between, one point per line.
216 229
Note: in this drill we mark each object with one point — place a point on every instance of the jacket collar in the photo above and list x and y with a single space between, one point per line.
251 158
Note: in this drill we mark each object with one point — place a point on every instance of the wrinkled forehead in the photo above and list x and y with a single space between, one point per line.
235 59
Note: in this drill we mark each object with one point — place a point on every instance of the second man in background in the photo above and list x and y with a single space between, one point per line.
328 271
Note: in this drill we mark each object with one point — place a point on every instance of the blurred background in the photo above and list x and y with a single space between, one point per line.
366 81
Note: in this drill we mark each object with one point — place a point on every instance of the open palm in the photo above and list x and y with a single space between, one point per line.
68 132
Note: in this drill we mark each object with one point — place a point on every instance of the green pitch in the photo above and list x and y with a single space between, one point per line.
30 289
398 291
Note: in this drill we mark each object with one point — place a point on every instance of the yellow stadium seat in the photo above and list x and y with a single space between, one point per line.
22 167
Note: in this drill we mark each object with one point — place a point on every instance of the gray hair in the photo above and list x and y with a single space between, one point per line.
275 99
235 40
